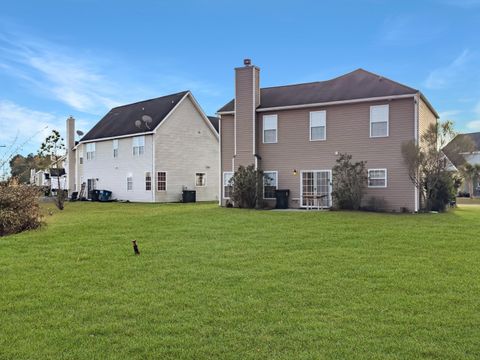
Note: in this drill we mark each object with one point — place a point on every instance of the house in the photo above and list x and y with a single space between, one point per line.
148 151
52 178
294 133
459 156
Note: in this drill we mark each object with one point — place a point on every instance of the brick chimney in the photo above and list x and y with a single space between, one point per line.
71 164
247 99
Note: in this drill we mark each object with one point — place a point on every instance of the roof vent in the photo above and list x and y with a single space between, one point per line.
247 62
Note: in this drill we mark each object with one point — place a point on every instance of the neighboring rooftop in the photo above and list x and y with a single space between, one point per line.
458 144
214 121
121 119
358 84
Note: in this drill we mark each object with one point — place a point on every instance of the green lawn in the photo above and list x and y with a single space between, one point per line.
217 283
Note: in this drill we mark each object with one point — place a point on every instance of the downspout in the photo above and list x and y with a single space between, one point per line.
153 177
220 175
417 142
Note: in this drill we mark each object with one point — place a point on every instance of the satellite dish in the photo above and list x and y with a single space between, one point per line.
138 123
147 119
79 132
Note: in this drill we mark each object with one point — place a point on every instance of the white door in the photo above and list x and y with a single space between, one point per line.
316 189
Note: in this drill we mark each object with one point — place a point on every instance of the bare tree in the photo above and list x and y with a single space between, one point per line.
426 162
53 146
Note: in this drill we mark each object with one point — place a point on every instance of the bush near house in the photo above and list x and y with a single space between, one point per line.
19 208
349 183
247 184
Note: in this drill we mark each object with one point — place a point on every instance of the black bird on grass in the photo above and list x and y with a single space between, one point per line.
135 247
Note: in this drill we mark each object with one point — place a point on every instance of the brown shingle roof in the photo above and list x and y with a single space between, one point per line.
121 120
358 84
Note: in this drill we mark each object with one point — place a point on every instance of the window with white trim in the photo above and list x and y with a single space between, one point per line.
161 181
90 151
148 181
377 178
270 123
115 148
318 125
80 155
379 120
129 182
138 144
270 183
227 187
200 179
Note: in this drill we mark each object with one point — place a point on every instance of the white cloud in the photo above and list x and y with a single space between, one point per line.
87 81
58 73
446 115
474 125
26 128
445 76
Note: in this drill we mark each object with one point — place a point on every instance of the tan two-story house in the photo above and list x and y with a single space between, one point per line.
294 133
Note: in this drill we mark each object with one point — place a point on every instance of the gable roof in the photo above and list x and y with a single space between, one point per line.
461 141
358 84
120 120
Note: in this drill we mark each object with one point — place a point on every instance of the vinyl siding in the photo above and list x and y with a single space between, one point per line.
185 145
425 119
112 172
348 131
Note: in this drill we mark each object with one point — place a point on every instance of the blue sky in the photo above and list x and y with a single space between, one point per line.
81 57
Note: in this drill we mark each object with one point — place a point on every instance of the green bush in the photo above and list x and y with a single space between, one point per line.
349 183
247 184
19 208
440 192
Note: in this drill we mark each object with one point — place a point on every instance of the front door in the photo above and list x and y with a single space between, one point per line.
316 189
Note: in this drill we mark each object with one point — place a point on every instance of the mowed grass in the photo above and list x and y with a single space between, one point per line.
216 283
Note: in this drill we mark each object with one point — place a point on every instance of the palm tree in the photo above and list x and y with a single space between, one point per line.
470 173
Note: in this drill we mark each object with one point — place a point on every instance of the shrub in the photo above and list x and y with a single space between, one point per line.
247 187
376 204
19 209
349 182
440 191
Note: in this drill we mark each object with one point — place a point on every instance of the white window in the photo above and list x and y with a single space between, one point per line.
270 183
379 121
200 179
90 151
227 187
377 178
148 181
80 155
138 145
115 148
318 125
161 181
129 182
270 129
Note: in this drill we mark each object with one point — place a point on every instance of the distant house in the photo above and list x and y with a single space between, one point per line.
459 158
294 133
52 178
149 151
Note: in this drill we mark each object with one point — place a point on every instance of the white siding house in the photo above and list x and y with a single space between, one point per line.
150 152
